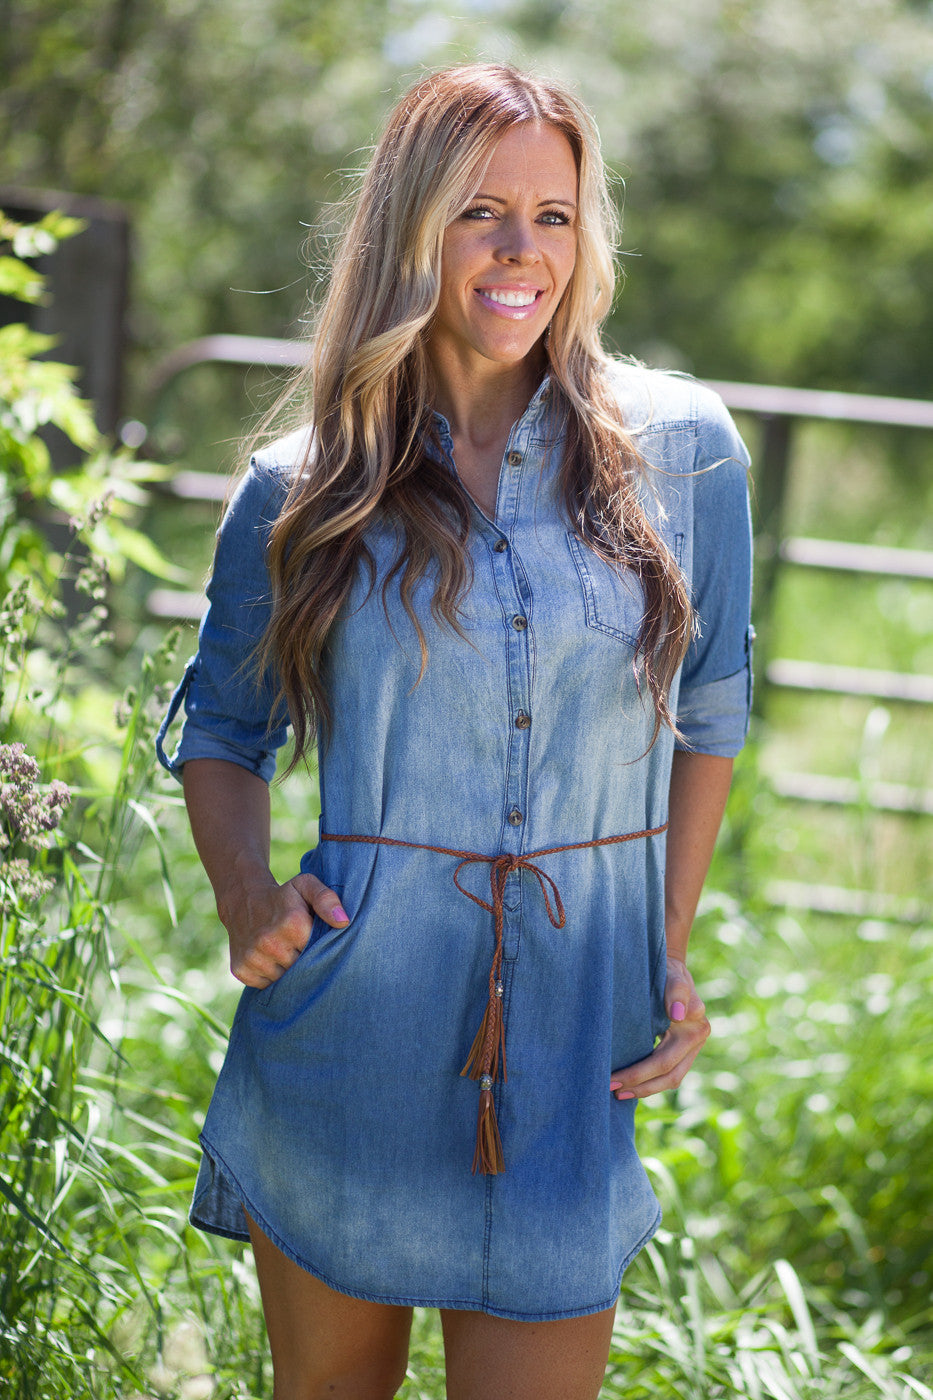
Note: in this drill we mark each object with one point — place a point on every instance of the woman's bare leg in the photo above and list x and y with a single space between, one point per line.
494 1358
326 1346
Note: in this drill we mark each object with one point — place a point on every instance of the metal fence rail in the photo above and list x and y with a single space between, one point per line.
767 399
858 558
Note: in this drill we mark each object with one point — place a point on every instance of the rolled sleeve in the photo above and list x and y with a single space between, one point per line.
713 718
716 680
202 741
231 711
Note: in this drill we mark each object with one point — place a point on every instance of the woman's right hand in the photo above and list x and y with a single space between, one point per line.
269 925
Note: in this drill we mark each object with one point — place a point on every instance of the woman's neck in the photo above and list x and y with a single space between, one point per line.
481 407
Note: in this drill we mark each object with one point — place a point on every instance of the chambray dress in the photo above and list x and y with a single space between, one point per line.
340 1119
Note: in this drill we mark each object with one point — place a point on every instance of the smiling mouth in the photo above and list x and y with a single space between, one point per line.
517 299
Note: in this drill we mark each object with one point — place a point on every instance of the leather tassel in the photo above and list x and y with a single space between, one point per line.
474 1064
489 1043
488 1157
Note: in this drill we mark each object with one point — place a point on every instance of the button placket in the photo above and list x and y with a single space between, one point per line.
519 463
518 486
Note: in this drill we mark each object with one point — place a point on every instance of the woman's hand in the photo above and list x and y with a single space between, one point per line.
269 925
698 792
679 1046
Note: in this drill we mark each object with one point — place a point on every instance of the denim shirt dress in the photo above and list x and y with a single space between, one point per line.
340 1119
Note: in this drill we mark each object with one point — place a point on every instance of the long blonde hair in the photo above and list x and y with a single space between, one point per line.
368 386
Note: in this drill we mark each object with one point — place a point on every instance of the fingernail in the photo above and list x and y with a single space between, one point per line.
615 1084
626 1095
678 1011
340 914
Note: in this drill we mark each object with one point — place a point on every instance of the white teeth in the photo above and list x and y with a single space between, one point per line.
512 298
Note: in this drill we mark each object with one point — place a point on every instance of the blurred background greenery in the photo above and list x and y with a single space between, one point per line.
775 162
775 154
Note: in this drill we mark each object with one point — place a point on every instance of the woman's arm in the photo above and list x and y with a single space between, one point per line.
698 792
268 924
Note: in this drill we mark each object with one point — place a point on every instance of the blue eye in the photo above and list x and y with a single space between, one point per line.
478 212
554 216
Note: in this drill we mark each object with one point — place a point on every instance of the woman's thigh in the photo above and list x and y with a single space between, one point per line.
495 1358
326 1346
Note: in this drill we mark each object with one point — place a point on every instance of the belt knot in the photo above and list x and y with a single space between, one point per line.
500 868
488 1048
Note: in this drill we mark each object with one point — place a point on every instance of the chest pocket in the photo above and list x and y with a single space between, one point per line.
613 601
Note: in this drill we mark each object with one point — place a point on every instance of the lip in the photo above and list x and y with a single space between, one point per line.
512 313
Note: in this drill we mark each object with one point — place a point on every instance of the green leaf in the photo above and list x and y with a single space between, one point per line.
867 1366
15 1199
20 281
146 817
75 417
24 460
916 1386
118 543
61 226
36 392
18 341
798 1306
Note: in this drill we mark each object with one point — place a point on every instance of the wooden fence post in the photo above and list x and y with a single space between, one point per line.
88 277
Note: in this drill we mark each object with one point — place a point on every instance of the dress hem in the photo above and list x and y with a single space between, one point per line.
455 1305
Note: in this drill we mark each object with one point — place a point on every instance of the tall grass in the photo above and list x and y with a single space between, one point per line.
72 1209
76 1223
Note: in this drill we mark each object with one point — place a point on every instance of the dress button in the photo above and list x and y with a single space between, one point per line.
522 721
519 622
501 546
515 817
514 458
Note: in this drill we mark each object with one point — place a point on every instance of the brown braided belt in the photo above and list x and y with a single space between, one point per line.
489 1043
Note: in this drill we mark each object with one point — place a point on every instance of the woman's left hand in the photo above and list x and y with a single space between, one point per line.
679 1046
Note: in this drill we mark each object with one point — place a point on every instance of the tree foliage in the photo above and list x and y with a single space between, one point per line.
38 394
776 154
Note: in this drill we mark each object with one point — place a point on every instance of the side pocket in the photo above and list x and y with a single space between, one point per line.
658 984
319 930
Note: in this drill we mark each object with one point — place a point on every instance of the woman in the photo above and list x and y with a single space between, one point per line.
504 585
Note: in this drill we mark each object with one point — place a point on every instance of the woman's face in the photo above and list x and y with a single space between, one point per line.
508 257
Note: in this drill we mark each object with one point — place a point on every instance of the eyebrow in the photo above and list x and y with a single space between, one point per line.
496 199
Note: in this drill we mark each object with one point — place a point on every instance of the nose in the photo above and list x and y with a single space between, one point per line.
518 246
